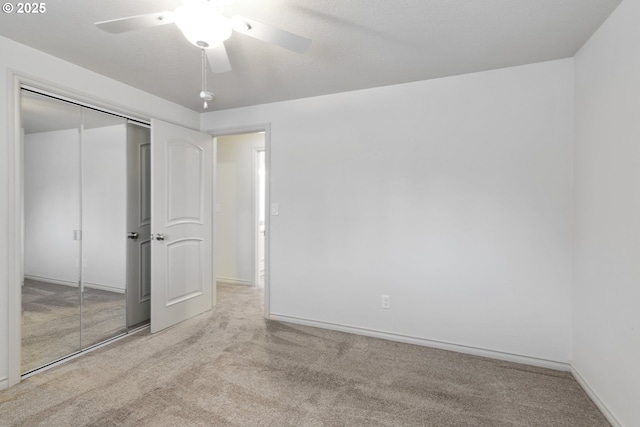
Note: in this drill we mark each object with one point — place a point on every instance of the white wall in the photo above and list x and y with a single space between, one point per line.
235 199
453 196
17 59
606 323
52 205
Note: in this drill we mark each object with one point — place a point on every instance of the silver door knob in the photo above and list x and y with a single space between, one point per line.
160 236
132 235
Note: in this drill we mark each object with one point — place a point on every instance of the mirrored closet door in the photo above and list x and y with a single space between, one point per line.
75 227
104 226
52 225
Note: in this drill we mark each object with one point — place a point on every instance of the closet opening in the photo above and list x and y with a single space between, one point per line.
85 227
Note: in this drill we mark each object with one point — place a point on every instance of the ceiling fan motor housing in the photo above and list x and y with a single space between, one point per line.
203 24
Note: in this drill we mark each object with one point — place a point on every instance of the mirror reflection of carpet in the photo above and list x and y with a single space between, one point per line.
51 318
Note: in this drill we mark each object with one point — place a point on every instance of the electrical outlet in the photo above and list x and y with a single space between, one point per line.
385 301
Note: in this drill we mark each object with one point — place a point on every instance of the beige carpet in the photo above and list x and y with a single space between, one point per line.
230 367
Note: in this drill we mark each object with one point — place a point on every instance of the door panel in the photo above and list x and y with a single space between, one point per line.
139 223
50 291
184 270
144 294
185 197
181 211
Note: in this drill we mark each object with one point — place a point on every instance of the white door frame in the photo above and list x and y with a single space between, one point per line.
15 235
255 162
266 128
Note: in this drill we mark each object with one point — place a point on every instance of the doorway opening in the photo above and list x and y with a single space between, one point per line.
241 200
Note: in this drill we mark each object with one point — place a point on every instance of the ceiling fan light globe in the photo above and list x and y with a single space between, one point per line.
202 24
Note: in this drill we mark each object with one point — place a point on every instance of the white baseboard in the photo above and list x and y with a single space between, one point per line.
50 280
4 383
476 351
75 284
594 396
234 281
104 287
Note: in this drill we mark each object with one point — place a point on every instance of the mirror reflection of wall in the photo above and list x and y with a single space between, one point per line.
75 213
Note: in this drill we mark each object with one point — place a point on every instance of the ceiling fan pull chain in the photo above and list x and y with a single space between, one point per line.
204 94
204 78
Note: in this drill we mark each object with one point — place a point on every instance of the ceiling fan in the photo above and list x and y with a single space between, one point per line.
203 23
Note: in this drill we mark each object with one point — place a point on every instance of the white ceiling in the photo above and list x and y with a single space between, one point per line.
357 44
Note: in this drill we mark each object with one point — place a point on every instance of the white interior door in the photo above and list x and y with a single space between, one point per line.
181 222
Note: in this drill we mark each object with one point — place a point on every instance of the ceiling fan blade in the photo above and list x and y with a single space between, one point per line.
136 22
270 34
218 59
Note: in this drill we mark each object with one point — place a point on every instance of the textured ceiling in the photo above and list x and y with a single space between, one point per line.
357 44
